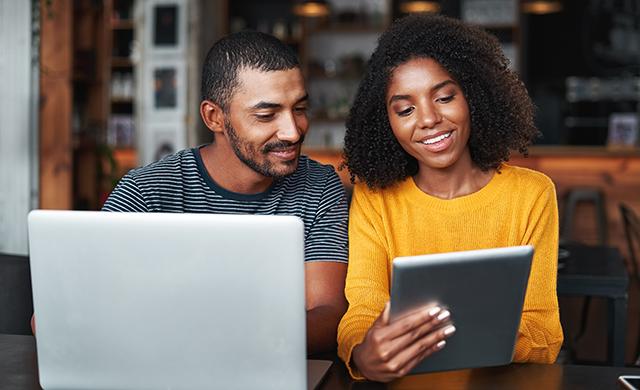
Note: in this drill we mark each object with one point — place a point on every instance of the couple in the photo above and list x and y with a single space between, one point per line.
434 120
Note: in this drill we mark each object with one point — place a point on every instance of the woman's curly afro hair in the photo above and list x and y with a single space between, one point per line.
500 109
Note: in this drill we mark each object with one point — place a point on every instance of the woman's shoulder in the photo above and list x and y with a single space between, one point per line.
526 177
363 190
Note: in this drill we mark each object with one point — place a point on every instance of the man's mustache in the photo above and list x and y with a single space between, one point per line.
280 145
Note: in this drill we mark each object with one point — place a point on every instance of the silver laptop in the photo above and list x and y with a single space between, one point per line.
483 289
130 300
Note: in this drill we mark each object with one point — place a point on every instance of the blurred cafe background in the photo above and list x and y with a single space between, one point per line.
92 88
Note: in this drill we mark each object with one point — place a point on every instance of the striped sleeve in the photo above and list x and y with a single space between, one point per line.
327 239
126 197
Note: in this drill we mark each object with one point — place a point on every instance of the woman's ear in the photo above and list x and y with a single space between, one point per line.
212 116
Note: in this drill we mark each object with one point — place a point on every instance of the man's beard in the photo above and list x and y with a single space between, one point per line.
247 154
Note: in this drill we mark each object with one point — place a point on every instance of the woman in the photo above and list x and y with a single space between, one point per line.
432 124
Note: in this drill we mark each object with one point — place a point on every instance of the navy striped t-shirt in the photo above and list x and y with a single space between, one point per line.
180 184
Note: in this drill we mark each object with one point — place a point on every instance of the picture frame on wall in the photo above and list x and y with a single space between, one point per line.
166 29
624 131
165 25
162 78
165 81
165 90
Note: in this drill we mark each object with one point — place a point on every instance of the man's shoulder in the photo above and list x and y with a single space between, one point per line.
312 182
172 165
309 167
157 186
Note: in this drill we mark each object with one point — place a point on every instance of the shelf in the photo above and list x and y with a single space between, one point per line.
125 154
120 100
101 48
84 78
122 24
121 62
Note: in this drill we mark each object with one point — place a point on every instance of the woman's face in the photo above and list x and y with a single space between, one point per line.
428 114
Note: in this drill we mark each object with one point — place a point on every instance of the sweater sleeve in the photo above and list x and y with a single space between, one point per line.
540 334
367 283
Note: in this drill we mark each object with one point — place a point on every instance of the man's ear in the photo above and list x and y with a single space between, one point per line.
212 116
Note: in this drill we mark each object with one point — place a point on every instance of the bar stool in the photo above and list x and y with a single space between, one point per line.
575 196
596 198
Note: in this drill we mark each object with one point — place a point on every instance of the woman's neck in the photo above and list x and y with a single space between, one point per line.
460 179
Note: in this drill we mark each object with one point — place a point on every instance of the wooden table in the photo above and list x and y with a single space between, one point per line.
18 371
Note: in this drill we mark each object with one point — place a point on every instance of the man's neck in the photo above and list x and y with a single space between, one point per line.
227 171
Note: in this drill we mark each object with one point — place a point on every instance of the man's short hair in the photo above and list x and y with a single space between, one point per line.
246 49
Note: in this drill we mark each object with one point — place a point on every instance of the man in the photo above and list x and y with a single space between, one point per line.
254 101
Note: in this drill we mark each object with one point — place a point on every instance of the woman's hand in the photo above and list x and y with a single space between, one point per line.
390 351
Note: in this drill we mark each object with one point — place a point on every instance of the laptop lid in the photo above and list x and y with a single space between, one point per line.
483 289
130 300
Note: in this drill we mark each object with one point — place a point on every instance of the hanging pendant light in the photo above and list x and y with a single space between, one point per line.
541 7
311 8
416 6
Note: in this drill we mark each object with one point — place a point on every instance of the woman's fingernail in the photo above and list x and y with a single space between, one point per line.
443 315
441 344
433 311
449 329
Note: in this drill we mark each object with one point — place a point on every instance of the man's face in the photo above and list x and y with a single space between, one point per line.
266 120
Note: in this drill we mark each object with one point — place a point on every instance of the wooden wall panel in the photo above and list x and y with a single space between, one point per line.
56 65
618 176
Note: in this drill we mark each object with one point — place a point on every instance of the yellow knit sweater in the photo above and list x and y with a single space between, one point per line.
517 207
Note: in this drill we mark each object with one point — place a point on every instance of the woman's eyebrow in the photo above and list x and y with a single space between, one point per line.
436 87
442 84
395 98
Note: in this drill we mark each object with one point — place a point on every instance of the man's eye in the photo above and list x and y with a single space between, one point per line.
264 117
405 112
301 109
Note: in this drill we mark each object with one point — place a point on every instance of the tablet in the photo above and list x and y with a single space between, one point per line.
629 382
483 289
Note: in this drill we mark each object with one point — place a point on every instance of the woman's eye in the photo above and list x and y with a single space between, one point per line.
446 99
405 112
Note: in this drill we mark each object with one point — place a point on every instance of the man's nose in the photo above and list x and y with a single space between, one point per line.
288 129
